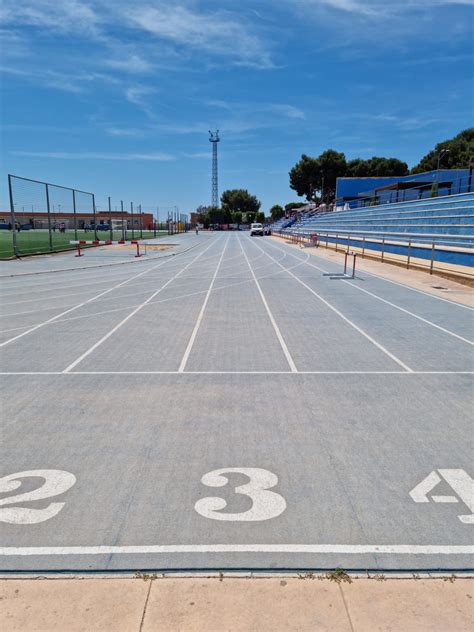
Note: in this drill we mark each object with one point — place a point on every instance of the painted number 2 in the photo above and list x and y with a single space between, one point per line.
265 504
55 482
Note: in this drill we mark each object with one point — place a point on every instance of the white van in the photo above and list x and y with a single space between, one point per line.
256 229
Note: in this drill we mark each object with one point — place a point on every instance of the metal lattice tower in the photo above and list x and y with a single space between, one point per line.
214 139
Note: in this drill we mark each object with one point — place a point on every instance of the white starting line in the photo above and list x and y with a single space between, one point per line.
351 549
184 373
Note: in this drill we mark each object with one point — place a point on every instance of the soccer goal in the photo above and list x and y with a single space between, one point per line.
119 226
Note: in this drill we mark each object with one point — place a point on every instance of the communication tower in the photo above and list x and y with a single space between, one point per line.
214 139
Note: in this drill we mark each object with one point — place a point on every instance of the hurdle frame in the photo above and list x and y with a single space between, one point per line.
347 254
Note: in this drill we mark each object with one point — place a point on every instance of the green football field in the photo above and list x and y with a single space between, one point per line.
37 241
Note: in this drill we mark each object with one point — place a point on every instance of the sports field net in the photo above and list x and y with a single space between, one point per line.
46 217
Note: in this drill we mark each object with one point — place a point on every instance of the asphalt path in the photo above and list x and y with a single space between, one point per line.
239 405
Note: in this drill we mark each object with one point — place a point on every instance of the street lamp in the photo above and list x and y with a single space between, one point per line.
442 153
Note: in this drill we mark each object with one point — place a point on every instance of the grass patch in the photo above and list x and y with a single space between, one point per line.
37 241
339 575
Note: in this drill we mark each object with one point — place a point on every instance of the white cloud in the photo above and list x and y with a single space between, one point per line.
138 96
92 155
133 64
221 33
380 9
198 154
247 109
290 111
125 132
63 15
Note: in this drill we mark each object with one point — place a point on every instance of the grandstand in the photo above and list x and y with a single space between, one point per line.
449 219
434 229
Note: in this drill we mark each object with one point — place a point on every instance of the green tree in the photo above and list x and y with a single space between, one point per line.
203 214
276 212
305 177
260 217
376 167
216 215
292 205
239 200
461 152
237 217
333 165
310 175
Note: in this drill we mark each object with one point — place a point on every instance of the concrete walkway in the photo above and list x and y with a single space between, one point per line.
307 603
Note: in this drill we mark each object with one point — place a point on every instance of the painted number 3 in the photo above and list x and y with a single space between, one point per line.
55 482
265 503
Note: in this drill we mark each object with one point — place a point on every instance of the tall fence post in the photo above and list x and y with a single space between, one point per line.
111 232
432 257
363 245
124 225
12 213
74 211
93 215
50 236
133 227
383 247
141 221
409 254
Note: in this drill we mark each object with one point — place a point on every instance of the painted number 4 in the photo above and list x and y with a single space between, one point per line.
55 482
459 481
265 503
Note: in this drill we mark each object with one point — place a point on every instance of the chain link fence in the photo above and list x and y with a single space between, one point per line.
45 217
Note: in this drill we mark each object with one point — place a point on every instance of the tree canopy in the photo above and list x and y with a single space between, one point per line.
237 206
276 212
310 175
376 167
305 177
239 200
461 152
316 174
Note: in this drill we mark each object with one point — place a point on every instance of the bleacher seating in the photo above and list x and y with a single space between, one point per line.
282 223
444 220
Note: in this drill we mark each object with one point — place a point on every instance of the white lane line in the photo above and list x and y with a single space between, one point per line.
347 320
414 289
281 340
327 549
379 298
9 373
165 300
68 311
185 357
407 287
56 288
406 311
137 309
62 296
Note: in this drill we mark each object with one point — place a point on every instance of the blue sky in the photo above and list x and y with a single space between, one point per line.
117 97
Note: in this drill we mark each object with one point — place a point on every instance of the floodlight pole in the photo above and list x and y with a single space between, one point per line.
441 154
214 139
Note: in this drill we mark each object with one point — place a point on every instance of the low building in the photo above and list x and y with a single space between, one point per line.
145 221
